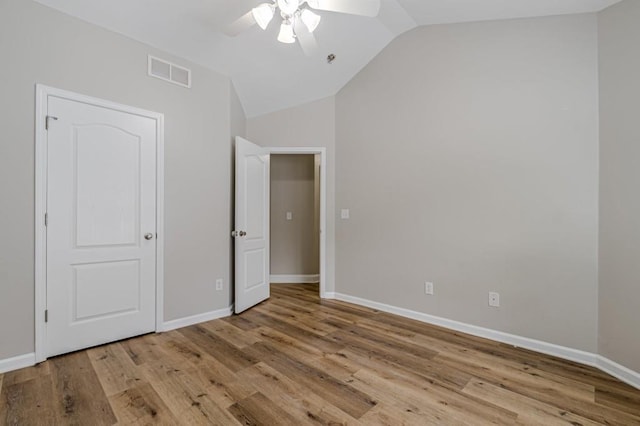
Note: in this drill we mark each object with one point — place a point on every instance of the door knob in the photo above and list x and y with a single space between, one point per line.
148 236
242 233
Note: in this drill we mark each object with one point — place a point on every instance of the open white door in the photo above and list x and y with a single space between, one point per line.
251 225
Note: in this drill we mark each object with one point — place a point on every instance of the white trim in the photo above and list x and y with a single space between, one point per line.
40 266
42 94
619 371
159 222
323 204
197 319
294 279
511 339
17 362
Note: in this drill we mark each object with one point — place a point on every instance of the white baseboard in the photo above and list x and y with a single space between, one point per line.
17 362
329 295
294 279
623 373
619 371
196 319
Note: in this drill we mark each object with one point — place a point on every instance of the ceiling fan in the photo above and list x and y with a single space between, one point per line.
299 21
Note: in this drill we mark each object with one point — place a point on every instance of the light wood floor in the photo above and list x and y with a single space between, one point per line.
295 360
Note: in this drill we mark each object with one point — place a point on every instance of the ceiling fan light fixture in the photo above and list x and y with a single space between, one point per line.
288 7
310 19
286 33
263 14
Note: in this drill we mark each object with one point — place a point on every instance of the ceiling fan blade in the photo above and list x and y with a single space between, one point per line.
353 7
241 24
306 39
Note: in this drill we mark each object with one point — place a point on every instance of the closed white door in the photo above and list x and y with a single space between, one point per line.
101 232
251 225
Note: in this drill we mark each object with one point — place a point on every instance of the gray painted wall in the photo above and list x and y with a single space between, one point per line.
294 243
39 45
619 314
468 156
309 125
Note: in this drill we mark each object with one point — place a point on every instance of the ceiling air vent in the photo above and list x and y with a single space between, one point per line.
167 71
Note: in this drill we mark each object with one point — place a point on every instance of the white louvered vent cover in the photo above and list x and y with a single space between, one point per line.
167 71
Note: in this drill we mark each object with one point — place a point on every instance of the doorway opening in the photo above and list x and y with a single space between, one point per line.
295 219
309 165
252 225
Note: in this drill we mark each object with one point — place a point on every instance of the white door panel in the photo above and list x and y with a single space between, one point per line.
252 225
101 201
106 186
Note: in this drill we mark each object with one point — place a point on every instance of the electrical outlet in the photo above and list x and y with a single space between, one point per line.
494 299
428 288
344 214
289 215
219 284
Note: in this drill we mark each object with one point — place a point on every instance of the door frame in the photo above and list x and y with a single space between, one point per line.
323 204
41 180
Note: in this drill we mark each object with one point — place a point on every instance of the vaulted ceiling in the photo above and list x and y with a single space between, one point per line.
269 75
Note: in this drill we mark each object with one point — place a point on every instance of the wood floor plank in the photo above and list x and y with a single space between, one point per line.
498 350
450 407
348 399
529 410
226 353
141 405
367 353
623 400
23 403
240 322
396 414
260 410
231 333
294 347
115 369
187 396
301 320
25 374
141 349
305 406
387 342
3 402
546 392
292 330
78 394
463 354
296 359
503 373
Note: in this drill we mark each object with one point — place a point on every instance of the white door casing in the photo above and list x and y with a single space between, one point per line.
251 225
103 205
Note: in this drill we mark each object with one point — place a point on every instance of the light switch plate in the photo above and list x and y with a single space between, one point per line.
289 215
344 214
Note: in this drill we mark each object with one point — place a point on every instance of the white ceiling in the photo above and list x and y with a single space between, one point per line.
269 75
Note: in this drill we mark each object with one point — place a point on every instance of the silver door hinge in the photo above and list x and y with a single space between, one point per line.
47 119
46 315
46 219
